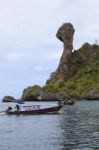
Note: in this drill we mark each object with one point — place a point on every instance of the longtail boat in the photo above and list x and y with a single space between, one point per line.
30 110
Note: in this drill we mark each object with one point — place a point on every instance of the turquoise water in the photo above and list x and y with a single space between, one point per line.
74 128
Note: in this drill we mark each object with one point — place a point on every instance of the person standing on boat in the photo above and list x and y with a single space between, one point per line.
60 102
17 107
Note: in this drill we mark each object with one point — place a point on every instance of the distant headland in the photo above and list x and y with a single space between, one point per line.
77 74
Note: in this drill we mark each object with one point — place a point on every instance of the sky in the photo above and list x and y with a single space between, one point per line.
29 49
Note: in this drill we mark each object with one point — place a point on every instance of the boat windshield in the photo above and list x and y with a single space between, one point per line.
33 107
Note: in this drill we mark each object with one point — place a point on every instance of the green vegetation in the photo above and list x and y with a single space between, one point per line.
31 92
84 73
34 89
83 77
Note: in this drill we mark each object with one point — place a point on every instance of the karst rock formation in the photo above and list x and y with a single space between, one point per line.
65 34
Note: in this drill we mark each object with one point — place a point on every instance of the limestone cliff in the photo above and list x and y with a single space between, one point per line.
83 80
65 34
78 71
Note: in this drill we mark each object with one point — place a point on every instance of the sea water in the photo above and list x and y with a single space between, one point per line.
73 128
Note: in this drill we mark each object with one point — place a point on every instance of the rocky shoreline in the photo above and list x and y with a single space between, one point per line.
51 97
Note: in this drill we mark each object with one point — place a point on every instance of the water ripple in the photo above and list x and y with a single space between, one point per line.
75 128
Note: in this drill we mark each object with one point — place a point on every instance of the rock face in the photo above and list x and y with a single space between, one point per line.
48 96
31 93
36 93
83 81
91 95
65 34
8 99
44 96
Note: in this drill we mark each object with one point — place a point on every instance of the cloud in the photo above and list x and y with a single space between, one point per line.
93 27
15 55
29 49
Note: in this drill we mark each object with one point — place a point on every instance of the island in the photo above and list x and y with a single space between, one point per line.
77 74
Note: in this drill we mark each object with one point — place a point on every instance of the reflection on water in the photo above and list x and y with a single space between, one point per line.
79 126
74 128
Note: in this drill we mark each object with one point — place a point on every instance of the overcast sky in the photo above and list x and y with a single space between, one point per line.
29 49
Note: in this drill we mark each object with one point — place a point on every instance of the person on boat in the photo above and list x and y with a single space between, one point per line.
9 108
60 102
17 107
